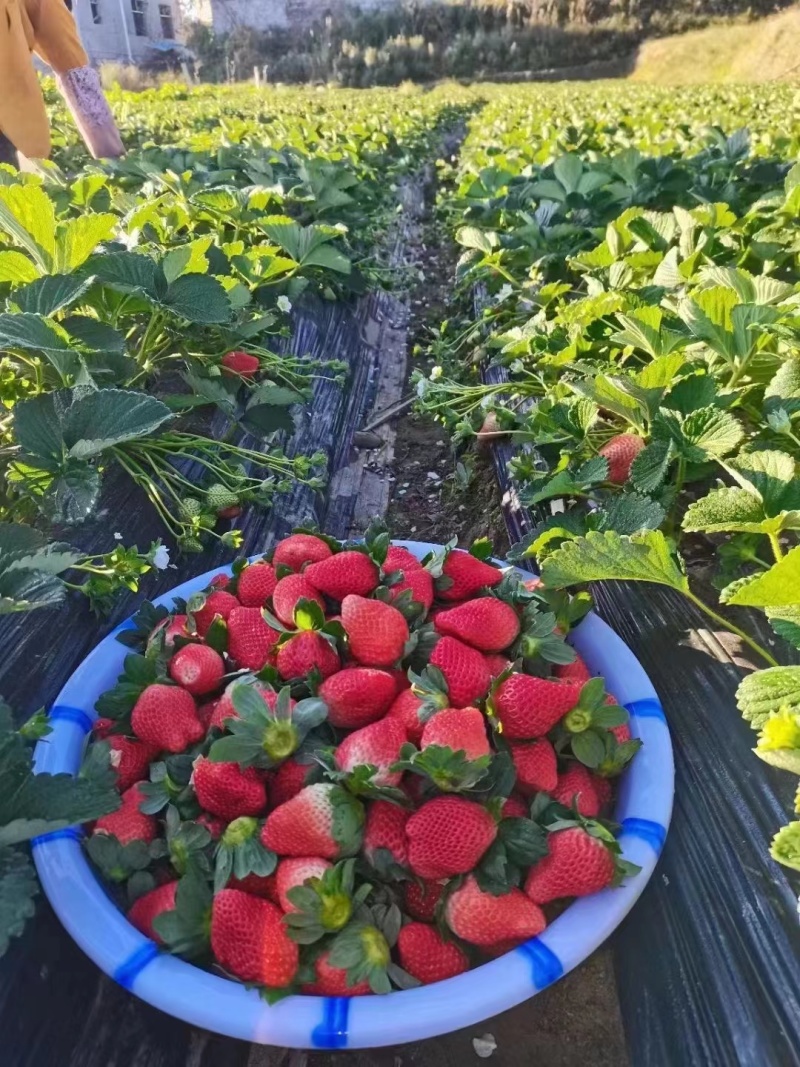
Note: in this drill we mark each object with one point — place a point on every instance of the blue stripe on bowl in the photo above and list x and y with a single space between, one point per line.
64 713
70 833
646 709
127 972
546 966
652 832
332 1031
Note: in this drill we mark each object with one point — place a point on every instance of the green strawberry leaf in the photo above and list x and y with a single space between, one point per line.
18 888
644 557
778 587
186 930
763 693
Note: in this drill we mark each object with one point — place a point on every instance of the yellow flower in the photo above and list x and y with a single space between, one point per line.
781 730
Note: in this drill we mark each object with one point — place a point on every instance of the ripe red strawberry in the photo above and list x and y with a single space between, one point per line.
322 820
224 709
528 707
298 549
258 885
173 626
131 759
496 663
228 790
357 696
464 670
256 585
458 729
536 765
343 574
294 871
220 581
579 786
198 668
151 905
377 633
288 592
399 558
485 623
401 679
101 728
215 826
249 939
405 709
128 823
240 363
448 836
620 452
484 919
577 671
386 829
420 582
166 716
621 732
467 575
288 780
515 808
421 899
205 712
576 865
217 603
332 981
250 640
426 955
378 744
305 652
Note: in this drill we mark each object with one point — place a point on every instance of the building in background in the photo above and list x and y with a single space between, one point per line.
128 31
226 15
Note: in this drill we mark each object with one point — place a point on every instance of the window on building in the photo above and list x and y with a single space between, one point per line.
94 10
139 12
167 26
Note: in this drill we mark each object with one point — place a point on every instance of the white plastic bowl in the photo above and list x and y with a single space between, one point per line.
643 809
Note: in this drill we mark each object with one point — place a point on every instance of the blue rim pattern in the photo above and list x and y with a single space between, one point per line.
643 810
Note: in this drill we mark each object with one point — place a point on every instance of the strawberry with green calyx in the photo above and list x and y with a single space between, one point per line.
299 549
385 846
322 904
197 668
118 861
310 650
186 844
400 559
589 727
460 729
256 584
520 842
364 950
410 709
600 751
413 594
357 696
128 823
165 716
322 820
225 710
583 858
227 789
465 673
185 929
426 956
577 787
377 633
487 919
525 707
485 623
262 735
249 940
240 853
328 981
536 765
203 608
251 640
138 674
343 574
593 711
149 906
169 784
239 364
448 836
376 746
451 771
541 642
463 574
295 871
130 759
288 593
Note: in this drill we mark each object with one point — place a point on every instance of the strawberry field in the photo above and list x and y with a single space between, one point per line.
344 768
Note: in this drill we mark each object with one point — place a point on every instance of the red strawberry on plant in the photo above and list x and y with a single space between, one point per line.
586 791
240 364
485 623
357 696
150 905
377 633
332 981
248 939
448 836
536 765
129 824
322 820
256 585
305 652
217 603
422 898
620 452
460 729
198 668
295 871
385 835
251 642
345 574
228 790
165 716
406 709
289 779
131 759
466 575
377 745
427 956
464 670
299 549
289 592
484 919
582 859
528 707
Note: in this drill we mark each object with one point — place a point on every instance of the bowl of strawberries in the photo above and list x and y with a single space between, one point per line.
369 793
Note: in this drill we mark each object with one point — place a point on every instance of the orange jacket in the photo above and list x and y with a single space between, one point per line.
47 28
